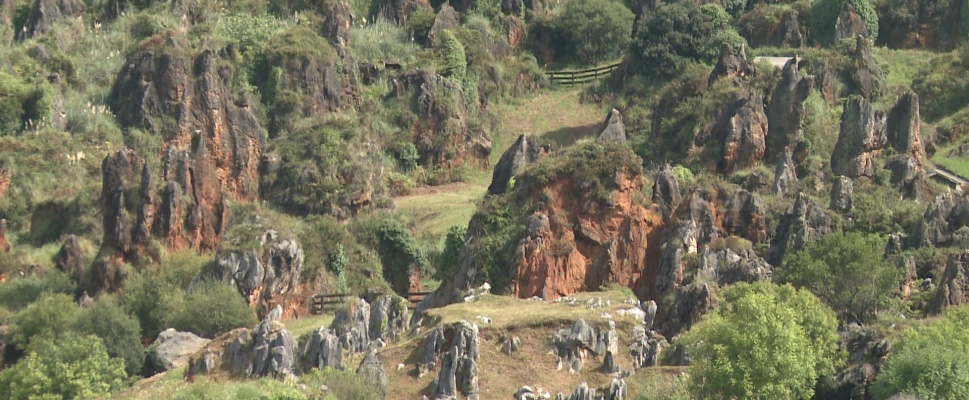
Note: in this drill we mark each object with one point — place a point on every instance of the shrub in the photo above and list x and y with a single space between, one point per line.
119 331
382 40
676 33
455 60
46 318
420 23
595 30
765 341
19 293
453 243
824 16
930 361
153 300
398 251
71 367
213 308
23 103
847 271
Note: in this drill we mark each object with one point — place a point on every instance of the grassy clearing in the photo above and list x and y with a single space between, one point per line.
958 165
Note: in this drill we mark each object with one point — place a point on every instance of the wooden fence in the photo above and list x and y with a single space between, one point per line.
320 302
582 76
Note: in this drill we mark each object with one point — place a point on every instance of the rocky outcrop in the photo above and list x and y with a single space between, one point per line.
399 11
953 285
904 127
907 174
804 222
389 318
514 31
572 346
265 271
338 18
163 90
512 345
730 65
689 305
371 372
785 110
727 266
45 13
841 192
322 350
70 260
432 347
741 130
459 366
267 350
867 349
861 138
647 347
865 78
849 24
4 244
172 349
948 214
447 18
666 191
522 153
785 174
352 326
746 216
613 129
788 34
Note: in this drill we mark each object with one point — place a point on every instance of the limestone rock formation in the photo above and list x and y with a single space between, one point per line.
730 65
573 345
447 18
689 305
163 90
865 78
514 31
788 34
267 350
609 364
867 349
726 266
745 215
861 138
522 153
666 191
849 24
371 372
803 222
647 347
953 285
338 18
70 259
172 348
45 13
904 127
459 366
399 11
322 350
352 326
785 110
908 174
389 318
265 271
741 130
432 347
947 214
512 345
613 129
785 175
841 192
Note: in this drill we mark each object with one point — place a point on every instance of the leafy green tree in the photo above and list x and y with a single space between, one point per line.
120 332
764 342
453 243
847 271
596 30
455 60
677 33
398 251
824 17
930 361
46 318
212 308
70 367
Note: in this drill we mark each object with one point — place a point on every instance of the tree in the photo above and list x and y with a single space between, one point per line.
453 244
677 33
398 251
46 318
213 308
596 30
70 367
845 270
930 362
764 342
824 17
120 332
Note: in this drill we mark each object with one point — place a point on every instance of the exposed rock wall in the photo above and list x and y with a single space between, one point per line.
522 153
45 13
953 285
267 274
269 349
804 222
862 137
785 110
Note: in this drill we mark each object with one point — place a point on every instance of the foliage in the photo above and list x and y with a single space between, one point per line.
764 342
119 331
676 33
212 308
22 103
342 384
684 176
824 16
455 60
337 263
930 361
44 319
453 243
247 31
398 251
943 86
420 23
382 40
595 30
71 367
19 293
847 271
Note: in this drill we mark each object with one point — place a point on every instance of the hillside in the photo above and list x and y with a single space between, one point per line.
371 199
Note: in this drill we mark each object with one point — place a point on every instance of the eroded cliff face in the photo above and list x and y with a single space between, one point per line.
579 243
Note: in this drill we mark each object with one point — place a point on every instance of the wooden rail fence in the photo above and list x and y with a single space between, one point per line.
581 76
320 302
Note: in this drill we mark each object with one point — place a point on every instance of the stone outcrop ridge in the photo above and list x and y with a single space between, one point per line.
841 192
785 174
953 285
447 18
266 350
904 127
865 78
647 347
612 128
617 390
741 130
267 274
399 11
730 65
943 223
70 260
727 266
785 110
689 305
789 33
867 350
804 222
522 153
371 371
358 329
457 357
165 91
849 24
172 349
572 346
862 137
45 13
666 191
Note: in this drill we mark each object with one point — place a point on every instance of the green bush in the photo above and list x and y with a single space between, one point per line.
399 250
70 367
47 318
824 16
847 271
764 342
382 40
16 294
676 33
455 60
22 103
120 332
213 308
930 361
943 86
153 300
595 30
420 23
453 243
